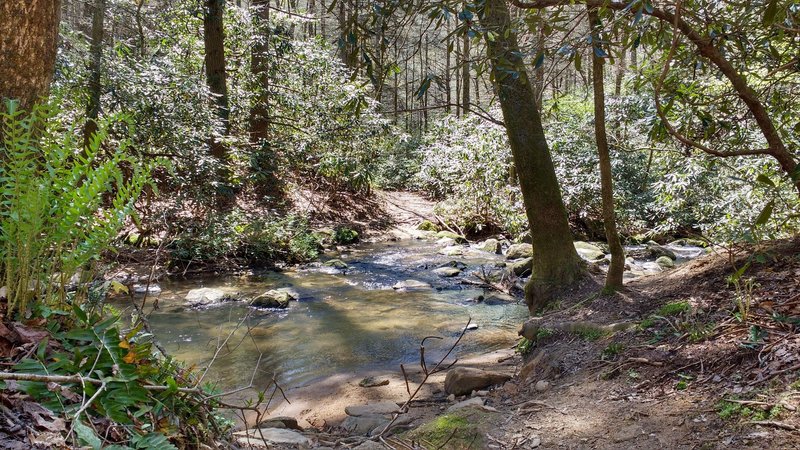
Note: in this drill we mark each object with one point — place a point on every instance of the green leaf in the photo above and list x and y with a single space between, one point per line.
538 61
87 436
765 214
770 13
762 178
152 441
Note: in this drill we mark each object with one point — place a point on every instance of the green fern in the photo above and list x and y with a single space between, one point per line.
62 203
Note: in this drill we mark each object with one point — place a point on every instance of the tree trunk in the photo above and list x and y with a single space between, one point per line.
465 80
555 262
617 266
259 63
28 40
95 87
216 76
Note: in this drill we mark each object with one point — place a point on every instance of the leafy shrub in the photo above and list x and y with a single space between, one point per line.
120 379
62 204
345 235
235 234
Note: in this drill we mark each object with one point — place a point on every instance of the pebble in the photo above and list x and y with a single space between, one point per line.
542 386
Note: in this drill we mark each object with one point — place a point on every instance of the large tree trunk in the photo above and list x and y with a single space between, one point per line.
259 60
216 75
28 39
555 262
617 266
95 86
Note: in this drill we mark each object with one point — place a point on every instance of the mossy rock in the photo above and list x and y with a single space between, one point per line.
427 225
464 428
665 262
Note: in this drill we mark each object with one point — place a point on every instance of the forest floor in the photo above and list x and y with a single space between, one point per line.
693 369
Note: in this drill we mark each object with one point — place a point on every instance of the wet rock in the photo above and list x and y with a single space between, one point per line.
449 234
464 380
336 264
518 251
665 262
453 250
205 296
651 268
409 285
499 298
454 263
655 251
142 288
446 242
280 422
269 437
521 267
589 252
272 299
447 272
491 246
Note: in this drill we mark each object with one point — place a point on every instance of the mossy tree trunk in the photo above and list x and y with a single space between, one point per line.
28 40
555 262
617 266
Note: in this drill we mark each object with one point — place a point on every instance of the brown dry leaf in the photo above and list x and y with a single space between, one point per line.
47 439
43 417
29 335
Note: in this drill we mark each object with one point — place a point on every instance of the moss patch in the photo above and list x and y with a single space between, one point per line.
458 430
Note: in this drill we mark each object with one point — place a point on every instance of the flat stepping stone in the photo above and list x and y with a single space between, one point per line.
269 437
380 408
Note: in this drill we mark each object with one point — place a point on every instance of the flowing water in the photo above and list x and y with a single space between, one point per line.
345 321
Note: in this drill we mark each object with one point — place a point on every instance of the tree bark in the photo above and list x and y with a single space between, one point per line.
617 266
28 40
465 79
216 75
555 262
95 86
259 63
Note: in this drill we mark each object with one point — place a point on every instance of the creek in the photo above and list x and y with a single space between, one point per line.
345 321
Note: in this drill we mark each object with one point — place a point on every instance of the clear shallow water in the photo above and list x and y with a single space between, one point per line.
344 322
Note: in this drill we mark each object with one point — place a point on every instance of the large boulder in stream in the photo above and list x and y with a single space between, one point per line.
589 252
464 380
519 251
205 297
273 299
491 246
656 251
521 267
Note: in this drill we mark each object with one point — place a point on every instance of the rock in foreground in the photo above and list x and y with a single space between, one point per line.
464 380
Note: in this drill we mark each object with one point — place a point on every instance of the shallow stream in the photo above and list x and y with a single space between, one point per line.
345 321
